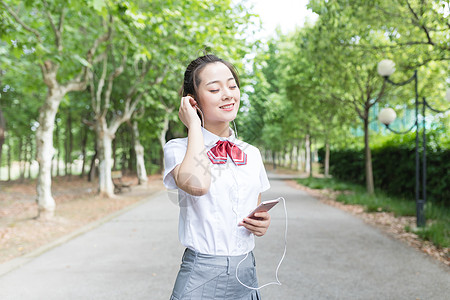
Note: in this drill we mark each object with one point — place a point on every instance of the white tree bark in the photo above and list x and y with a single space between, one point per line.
45 151
140 162
300 156
327 160
55 93
101 100
44 134
104 144
308 155
293 157
162 134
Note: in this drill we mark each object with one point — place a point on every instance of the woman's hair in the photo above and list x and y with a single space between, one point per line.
191 75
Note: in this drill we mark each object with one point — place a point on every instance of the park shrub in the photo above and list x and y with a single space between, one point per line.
393 164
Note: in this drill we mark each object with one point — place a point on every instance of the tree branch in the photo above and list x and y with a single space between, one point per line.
368 88
355 105
422 26
76 85
81 81
25 26
133 89
101 83
92 92
49 71
98 41
112 76
56 30
386 12
359 84
61 20
88 123
380 94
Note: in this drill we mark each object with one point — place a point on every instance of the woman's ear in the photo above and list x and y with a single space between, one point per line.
196 102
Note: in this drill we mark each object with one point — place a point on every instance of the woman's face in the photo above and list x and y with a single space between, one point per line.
218 94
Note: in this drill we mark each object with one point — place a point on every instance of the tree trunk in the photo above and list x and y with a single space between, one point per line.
162 137
92 170
66 152
368 157
69 145
299 156
58 148
21 160
84 139
9 157
308 155
311 157
29 156
293 157
286 157
2 135
139 150
132 154
114 154
274 161
44 151
104 146
327 160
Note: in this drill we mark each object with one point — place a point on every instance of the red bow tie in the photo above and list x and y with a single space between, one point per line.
218 153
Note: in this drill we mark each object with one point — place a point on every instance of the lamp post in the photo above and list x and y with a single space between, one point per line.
388 115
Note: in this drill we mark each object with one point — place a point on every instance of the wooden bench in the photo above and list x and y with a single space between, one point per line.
119 185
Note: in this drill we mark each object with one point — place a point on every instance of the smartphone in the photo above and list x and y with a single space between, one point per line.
263 206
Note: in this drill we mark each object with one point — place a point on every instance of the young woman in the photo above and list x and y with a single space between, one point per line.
219 180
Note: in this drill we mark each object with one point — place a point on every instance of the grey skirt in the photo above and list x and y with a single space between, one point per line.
204 277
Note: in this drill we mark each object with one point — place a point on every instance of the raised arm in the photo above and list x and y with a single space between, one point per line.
193 175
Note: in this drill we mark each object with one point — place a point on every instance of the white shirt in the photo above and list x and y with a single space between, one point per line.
209 224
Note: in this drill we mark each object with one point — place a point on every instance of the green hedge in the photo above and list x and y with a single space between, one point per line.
394 170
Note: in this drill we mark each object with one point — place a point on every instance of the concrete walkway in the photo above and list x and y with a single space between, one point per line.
331 255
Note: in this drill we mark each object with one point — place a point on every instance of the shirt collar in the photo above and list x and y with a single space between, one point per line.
211 139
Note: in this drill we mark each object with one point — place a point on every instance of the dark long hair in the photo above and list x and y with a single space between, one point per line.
191 75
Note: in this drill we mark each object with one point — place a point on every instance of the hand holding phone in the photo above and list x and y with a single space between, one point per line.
263 206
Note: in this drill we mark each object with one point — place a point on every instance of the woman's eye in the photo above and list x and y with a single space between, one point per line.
233 86
214 91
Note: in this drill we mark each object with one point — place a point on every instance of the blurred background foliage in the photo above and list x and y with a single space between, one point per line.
314 88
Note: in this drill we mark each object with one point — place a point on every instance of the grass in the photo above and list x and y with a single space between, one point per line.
327 183
438 226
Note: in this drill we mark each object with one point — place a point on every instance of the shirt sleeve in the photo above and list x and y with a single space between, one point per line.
174 152
265 185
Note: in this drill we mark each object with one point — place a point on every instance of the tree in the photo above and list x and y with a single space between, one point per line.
412 24
51 48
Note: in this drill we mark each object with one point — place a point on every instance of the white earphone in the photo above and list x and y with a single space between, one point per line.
279 264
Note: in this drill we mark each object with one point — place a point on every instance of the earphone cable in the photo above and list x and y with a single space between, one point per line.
279 264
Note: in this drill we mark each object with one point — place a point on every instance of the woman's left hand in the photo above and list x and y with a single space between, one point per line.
257 227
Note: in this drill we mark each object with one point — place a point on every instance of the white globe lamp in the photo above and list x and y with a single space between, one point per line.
386 67
387 116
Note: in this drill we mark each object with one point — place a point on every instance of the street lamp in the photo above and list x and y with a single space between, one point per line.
387 116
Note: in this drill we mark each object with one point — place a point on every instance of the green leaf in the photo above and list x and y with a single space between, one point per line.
98 4
83 61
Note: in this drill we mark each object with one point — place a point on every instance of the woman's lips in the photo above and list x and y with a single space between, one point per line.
228 107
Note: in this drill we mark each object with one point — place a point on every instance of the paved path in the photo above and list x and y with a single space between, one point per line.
331 255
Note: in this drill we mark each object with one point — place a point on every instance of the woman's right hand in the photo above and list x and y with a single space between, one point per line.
187 113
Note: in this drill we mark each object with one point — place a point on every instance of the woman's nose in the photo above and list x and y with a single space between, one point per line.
226 94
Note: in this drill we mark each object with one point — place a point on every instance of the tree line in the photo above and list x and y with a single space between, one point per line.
318 84
97 80
77 72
